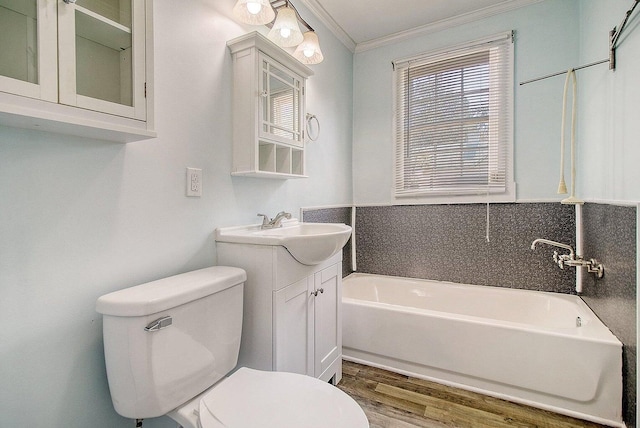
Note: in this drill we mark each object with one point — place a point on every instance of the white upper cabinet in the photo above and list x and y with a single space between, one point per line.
268 109
28 62
80 68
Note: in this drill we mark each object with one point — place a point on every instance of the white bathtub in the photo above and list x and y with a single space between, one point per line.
523 346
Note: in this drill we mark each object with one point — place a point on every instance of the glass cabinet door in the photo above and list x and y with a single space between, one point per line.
281 105
28 48
102 55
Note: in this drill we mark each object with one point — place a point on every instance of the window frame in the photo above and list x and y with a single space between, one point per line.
505 193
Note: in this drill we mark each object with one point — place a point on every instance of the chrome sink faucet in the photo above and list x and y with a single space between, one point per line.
275 222
570 259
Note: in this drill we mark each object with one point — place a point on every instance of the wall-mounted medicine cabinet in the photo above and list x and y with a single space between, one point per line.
268 109
79 67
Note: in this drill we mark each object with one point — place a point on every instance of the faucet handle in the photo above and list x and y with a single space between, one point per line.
265 219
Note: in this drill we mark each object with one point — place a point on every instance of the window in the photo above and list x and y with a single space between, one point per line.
453 121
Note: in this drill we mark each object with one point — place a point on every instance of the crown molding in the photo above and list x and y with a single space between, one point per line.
316 9
329 22
444 24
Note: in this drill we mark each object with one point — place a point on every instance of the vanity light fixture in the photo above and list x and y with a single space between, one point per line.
285 31
308 52
254 12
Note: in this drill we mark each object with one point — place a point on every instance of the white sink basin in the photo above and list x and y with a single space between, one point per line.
308 243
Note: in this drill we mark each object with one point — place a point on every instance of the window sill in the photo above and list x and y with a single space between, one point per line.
508 196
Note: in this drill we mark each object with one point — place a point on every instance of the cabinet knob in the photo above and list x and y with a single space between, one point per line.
263 94
321 290
69 1
314 293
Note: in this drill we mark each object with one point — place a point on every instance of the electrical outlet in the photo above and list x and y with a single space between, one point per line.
194 182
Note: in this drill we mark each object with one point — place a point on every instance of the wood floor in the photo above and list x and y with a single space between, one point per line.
391 400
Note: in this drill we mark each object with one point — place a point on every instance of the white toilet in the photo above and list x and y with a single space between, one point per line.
170 343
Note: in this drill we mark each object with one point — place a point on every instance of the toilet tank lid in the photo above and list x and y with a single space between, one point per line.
166 293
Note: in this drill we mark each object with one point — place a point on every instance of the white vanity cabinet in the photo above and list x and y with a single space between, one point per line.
79 67
268 109
292 312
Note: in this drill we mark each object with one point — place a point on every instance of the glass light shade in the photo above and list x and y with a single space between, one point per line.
254 12
308 52
285 31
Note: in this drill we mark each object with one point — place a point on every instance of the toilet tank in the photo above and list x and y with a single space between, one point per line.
168 340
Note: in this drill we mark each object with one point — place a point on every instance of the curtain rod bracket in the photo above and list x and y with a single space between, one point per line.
612 50
614 35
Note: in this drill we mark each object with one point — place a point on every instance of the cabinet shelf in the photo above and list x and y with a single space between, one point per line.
25 8
265 174
99 29
277 161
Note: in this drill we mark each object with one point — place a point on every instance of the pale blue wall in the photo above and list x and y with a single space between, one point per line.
609 104
81 218
546 41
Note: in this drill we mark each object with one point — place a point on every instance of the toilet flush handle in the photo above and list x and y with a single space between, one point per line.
159 324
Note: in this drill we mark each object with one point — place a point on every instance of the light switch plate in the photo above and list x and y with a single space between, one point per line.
194 182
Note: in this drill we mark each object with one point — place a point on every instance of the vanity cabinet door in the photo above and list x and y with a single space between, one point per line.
293 328
328 318
28 49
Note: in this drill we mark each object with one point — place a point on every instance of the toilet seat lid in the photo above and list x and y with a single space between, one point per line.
254 398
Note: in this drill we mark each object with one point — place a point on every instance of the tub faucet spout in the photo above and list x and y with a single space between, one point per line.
562 260
555 244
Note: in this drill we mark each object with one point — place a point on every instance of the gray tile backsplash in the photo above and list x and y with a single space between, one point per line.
449 243
610 237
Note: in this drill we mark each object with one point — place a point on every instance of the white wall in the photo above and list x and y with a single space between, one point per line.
609 110
546 41
80 218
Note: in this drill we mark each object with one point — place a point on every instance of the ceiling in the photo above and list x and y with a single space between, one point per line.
362 24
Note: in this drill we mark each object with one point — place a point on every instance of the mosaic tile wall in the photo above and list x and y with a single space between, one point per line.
610 237
449 243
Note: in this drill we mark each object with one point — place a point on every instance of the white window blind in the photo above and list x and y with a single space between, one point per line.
453 120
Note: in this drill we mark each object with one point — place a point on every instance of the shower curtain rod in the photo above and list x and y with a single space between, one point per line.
614 37
564 72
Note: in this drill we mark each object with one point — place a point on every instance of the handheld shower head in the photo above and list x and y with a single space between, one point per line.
562 187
